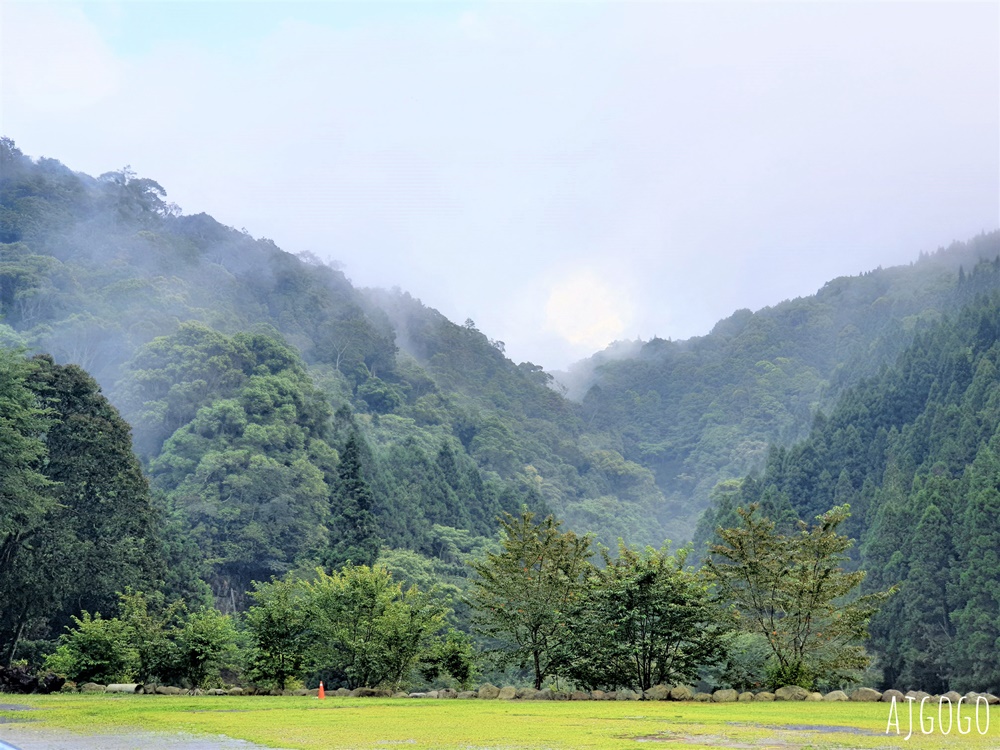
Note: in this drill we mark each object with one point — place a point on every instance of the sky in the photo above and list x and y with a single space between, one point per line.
566 174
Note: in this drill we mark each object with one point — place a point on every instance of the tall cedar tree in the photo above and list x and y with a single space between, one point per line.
353 530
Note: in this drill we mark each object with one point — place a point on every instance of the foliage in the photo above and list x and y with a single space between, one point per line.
280 623
793 590
523 594
644 620
369 631
95 650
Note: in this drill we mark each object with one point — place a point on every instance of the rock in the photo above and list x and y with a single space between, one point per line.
598 695
725 696
301 692
220 691
865 695
888 695
703 697
611 695
92 687
917 695
168 690
814 697
366 692
657 693
954 697
541 695
991 699
507 693
417 695
199 691
465 695
745 697
579 695
340 692
561 695
275 692
790 693
765 696
314 693
235 691
488 692
627 695
447 693
970 697
431 694
835 695
681 693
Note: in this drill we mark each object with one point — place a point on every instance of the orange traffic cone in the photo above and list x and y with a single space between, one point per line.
322 693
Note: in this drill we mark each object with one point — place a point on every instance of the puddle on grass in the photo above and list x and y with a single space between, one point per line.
31 738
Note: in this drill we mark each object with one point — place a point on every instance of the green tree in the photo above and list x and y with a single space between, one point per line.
794 590
205 643
645 620
281 630
523 594
95 650
353 532
369 631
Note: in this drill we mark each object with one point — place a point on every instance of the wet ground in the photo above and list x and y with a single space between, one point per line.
23 736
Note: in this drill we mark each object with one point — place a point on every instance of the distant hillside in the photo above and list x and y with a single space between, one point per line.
106 273
700 411
915 451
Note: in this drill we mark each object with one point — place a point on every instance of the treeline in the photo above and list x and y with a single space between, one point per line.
641 619
915 450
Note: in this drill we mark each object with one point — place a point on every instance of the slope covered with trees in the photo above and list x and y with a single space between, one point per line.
700 411
915 451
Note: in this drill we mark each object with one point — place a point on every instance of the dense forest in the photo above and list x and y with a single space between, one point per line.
192 411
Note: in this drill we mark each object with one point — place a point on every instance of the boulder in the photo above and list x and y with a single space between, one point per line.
681 693
765 696
507 693
835 695
447 693
417 695
579 695
657 693
917 695
217 691
814 697
611 695
92 687
465 694
525 693
725 696
540 695
954 697
703 697
889 694
991 699
199 691
235 691
431 694
745 697
340 692
314 693
366 692
168 690
865 695
488 692
598 695
628 695
790 693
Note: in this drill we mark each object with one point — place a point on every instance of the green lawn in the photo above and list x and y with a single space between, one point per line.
342 723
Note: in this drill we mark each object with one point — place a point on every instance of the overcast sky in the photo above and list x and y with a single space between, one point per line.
565 174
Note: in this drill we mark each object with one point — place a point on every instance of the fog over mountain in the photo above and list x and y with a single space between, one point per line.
565 175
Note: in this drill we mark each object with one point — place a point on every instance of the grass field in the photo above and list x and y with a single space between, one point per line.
355 724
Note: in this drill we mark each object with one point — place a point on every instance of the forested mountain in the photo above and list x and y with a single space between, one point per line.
915 451
700 411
